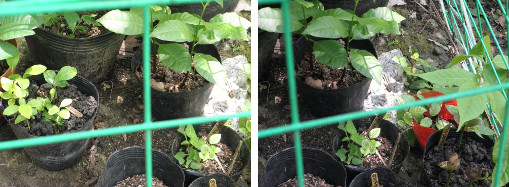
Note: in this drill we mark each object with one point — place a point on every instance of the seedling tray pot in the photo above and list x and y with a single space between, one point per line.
130 161
281 167
385 178
212 9
94 57
59 156
387 130
228 137
166 105
221 180
324 103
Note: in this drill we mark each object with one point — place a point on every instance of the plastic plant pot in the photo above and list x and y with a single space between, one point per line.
130 161
385 178
94 57
59 156
387 130
281 167
266 44
324 103
219 179
166 105
212 9
228 137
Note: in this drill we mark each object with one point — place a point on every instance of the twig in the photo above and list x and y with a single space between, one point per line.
441 21
214 129
220 165
424 27
381 158
374 124
394 151
439 44
230 169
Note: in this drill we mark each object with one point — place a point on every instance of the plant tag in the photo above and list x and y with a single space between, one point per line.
445 132
374 180
74 111
212 183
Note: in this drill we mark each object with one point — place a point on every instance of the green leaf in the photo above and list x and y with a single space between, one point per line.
53 110
498 61
366 64
470 107
184 17
331 53
52 93
17 26
224 30
356 161
49 76
20 118
504 179
489 76
458 59
180 157
34 70
481 129
175 56
301 11
232 19
215 138
66 73
190 132
341 153
478 49
64 113
417 110
35 103
89 19
426 122
374 133
410 135
305 3
173 30
17 91
447 77
7 50
435 109
401 60
72 19
65 102
350 128
10 110
374 25
6 84
419 84
339 14
384 13
25 110
210 68
271 20
195 165
326 27
498 103
122 22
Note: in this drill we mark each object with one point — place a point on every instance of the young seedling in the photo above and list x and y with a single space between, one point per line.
358 144
197 150
72 19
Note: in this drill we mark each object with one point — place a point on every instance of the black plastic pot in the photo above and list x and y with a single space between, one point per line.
324 103
94 57
228 137
59 156
387 130
220 180
434 139
130 161
266 43
362 7
281 167
212 9
385 178
166 105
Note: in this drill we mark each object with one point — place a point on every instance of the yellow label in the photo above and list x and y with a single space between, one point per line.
445 132
212 183
374 180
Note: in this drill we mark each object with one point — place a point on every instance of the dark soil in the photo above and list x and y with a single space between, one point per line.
309 180
473 154
87 105
139 181
61 27
325 77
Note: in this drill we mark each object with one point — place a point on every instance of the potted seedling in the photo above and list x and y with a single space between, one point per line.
185 64
359 146
44 102
77 40
208 150
334 78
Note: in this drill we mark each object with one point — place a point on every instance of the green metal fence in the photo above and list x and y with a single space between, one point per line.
454 17
47 6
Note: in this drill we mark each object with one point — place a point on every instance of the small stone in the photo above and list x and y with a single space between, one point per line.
277 99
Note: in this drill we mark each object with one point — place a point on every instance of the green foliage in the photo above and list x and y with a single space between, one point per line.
16 93
334 24
358 144
197 150
11 28
182 27
72 21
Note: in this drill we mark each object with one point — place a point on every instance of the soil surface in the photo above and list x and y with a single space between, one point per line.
61 27
310 181
139 181
474 156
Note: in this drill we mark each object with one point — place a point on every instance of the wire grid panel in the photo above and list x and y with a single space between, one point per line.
296 126
48 6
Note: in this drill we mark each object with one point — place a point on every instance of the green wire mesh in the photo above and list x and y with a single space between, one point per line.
47 6
455 15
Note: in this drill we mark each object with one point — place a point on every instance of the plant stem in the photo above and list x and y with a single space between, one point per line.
459 140
470 183
394 151
222 168
237 151
214 129
448 179
381 158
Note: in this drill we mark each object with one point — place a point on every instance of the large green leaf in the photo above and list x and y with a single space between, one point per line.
184 17
210 68
175 56
478 49
384 13
303 9
458 59
448 77
367 64
331 53
470 107
498 61
379 25
72 19
489 75
498 104
207 36
361 32
7 50
173 30
25 110
338 13
11 110
271 19
122 22
224 30
504 179
232 19
326 27
17 26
